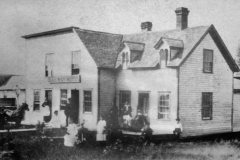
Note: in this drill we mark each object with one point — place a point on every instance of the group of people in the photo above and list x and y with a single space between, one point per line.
140 122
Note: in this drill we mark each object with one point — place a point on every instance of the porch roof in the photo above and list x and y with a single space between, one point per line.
9 82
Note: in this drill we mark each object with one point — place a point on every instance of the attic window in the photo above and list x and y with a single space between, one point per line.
163 58
123 58
207 61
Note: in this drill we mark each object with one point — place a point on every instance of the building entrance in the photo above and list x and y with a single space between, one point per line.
75 105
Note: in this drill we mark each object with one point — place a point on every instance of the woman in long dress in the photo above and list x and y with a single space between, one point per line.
71 137
101 136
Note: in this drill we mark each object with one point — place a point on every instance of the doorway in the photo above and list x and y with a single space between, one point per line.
48 96
75 105
143 103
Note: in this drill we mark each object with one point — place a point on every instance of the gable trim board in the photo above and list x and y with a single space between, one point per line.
51 33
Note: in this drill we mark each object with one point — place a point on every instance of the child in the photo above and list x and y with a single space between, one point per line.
147 133
178 128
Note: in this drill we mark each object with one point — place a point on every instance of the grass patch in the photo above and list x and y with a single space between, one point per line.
36 148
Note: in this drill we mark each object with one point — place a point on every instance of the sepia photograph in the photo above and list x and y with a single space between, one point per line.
120 80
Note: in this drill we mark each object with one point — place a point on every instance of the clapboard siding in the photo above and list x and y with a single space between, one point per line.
107 90
193 82
151 81
236 111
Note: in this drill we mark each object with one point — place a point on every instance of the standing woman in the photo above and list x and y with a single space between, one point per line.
71 137
101 126
46 111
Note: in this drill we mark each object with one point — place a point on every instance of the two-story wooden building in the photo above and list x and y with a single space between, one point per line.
184 73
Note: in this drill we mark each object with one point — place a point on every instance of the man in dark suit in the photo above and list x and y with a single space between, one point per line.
68 111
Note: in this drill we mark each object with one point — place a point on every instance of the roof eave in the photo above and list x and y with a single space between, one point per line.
52 32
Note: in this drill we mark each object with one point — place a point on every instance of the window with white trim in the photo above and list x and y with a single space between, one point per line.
87 101
36 99
63 99
75 62
164 105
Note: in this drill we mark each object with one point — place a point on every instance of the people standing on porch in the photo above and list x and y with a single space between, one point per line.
101 126
71 137
46 111
68 111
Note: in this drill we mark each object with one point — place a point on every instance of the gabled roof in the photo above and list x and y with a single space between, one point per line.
133 46
103 47
150 57
171 42
190 37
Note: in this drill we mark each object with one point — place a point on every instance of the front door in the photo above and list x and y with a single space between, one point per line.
75 105
143 102
48 96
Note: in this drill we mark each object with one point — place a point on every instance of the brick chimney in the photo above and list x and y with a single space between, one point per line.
182 18
146 26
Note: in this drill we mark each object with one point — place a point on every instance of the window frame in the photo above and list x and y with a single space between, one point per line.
87 101
36 103
121 102
169 106
205 51
75 67
65 99
49 67
210 110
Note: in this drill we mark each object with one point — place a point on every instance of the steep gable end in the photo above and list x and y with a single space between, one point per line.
221 46
101 46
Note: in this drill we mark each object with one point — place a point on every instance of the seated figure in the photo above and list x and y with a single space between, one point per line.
55 121
139 121
178 128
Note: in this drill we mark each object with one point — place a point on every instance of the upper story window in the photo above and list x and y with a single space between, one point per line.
125 60
163 58
207 61
36 99
75 62
207 105
49 64
164 106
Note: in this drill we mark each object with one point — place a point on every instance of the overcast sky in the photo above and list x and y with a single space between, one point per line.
22 17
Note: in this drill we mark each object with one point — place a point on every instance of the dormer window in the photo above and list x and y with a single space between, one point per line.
127 59
170 51
163 58
129 53
123 58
